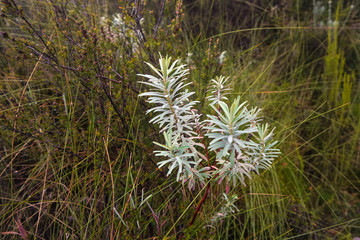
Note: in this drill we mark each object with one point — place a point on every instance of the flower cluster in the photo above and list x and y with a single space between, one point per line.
118 31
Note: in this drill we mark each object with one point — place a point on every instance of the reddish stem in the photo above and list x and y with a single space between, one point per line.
200 204
203 142
207 185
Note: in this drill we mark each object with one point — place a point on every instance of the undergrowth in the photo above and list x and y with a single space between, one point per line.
76 147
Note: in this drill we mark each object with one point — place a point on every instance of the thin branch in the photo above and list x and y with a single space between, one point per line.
21 13
159 19
200 204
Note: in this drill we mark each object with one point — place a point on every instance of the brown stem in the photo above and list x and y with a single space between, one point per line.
159 19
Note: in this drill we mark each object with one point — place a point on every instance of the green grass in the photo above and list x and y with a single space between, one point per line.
76 157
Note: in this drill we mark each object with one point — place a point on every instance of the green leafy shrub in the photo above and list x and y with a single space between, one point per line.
239 143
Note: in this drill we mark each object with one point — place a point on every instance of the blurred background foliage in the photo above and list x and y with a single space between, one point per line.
76 148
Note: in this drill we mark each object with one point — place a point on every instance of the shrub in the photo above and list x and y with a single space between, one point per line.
239 143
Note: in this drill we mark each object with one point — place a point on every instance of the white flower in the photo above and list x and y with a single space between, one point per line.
222 57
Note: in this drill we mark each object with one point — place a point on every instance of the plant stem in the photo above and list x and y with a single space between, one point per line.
200 204
207 185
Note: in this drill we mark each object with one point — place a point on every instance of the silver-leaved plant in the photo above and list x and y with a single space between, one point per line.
239 143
